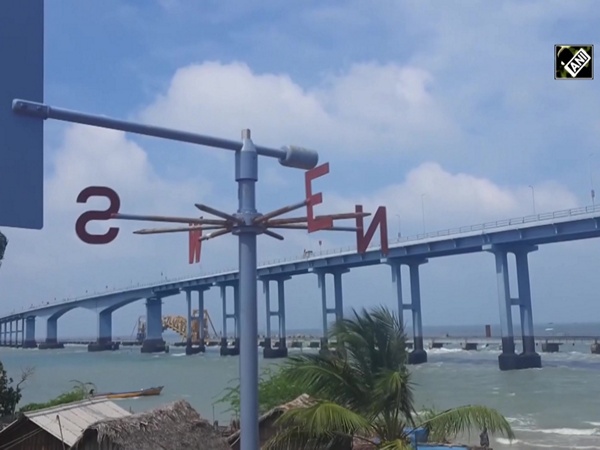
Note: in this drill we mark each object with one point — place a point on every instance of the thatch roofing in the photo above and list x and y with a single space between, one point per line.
300 402
176 426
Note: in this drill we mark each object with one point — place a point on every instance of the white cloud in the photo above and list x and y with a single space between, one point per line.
454 199
380 107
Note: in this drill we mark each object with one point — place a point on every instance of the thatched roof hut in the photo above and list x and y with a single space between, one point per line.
266 427
176 426
58 427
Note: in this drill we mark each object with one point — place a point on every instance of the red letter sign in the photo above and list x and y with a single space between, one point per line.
314 199
195 245
115 204
362 239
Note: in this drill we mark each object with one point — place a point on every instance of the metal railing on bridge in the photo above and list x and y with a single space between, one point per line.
504 223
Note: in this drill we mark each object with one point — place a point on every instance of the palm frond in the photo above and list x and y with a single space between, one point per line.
450 423
327 377
326 418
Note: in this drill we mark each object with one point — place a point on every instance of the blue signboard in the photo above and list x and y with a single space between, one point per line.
21 138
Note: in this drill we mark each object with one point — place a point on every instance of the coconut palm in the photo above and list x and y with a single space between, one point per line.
3 244
363 391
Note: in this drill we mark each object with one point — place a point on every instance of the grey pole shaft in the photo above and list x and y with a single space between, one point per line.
246 176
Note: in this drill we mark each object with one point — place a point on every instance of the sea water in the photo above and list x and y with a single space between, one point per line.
555 407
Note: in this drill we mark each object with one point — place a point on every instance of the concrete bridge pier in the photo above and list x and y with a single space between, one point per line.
190 349
529 358
281 351
104 341
201 323
29 340
508 359
51 341
153 342
418 355
225 349
2 334
338 309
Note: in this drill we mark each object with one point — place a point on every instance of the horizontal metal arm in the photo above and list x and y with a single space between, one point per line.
177 230
305 227
340 216
290 156
169 219
274 235
280 211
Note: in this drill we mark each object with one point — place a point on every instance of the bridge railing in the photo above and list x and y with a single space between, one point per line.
503 223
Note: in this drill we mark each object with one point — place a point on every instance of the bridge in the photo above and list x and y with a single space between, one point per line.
518 236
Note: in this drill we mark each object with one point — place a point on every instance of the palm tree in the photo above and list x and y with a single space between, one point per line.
3 244
363 391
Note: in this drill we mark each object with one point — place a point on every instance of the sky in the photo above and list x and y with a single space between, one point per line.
448 115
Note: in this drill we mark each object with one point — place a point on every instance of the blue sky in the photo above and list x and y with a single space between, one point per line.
444 112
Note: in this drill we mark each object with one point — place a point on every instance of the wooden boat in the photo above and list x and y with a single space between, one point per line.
131 394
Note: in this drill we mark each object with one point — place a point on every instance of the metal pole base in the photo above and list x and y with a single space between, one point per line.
272 353
154 346
530 361
194 349
418 356
50 344
30 344
509 361
101 346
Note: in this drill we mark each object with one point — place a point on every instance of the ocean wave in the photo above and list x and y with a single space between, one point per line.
568 431
595 424
445 350
521 422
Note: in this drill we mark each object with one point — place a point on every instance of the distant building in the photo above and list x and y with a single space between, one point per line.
59 427
176 426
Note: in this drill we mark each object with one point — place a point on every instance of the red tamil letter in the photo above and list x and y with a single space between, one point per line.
88 216
195 245
314 199
364 239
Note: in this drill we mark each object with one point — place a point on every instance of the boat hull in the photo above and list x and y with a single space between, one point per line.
132 394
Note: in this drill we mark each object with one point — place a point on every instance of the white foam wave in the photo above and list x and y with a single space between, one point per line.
520 421
177 354
445 350
595 424
505 441
570 431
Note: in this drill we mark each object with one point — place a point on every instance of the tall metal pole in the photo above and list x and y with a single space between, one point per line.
246 176
423 211
592 192
533 198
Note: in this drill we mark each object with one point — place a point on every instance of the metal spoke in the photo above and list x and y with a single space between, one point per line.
340 216
305 227
218 213
274 235
172 219
280 211
176 230
215 234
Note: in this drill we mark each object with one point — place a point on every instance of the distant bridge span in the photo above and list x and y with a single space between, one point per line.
519 236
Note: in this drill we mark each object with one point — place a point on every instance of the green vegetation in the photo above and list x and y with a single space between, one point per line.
9 395
362 390
77 393
273 390
3 244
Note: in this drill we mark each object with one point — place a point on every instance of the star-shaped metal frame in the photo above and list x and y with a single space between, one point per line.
227 223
